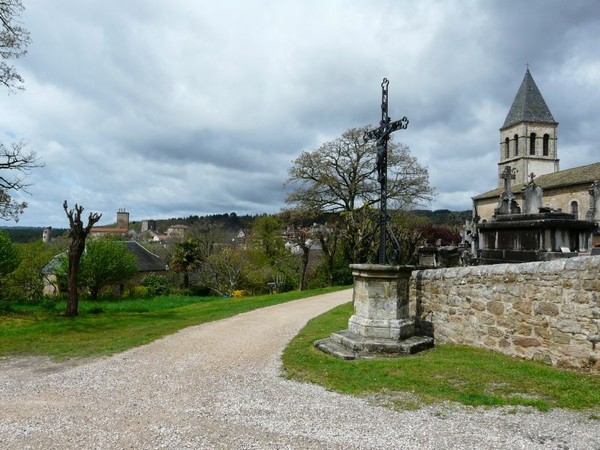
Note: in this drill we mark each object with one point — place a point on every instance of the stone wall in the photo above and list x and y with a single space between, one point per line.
544 311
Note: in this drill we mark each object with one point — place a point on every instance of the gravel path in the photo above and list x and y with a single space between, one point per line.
218 386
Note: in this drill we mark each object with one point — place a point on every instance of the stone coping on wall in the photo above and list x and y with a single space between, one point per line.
557 265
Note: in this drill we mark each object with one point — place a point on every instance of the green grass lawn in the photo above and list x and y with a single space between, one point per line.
106 327
447 372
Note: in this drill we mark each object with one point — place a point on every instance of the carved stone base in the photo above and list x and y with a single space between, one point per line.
396 329
347 345
380 326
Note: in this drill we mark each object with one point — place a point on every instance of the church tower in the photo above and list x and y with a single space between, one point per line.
528 138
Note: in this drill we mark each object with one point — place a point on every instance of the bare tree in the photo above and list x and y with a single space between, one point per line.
302 238
223 270
78 234
328 235
14 159
341 175
14 40
16 163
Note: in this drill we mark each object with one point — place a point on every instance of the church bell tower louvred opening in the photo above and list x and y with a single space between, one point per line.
528 138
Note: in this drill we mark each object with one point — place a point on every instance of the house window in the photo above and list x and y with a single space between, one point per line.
575 209
516 145
506 148
546 145
532 144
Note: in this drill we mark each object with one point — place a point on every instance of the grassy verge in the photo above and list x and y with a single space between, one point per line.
107 327
454 373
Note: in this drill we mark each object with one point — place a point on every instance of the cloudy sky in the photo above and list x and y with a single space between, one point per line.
171 109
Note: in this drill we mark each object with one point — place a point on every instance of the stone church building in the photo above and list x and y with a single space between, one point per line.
529 144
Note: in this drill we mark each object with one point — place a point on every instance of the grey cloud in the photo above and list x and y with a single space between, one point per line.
200 107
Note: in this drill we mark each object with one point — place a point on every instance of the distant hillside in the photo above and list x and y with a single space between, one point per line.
24 235
230 222
445 216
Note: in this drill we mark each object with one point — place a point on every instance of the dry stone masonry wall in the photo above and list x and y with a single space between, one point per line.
544 311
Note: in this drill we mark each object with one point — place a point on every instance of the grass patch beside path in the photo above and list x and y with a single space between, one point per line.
107 327
455 373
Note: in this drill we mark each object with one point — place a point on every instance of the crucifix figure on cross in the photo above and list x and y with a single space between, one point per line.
381 136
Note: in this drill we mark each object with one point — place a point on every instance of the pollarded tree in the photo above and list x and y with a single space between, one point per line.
341 176
104 263
78 233
16 161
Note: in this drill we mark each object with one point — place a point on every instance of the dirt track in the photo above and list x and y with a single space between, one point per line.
217 386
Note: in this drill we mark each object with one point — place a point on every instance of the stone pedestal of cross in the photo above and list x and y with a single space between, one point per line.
382 135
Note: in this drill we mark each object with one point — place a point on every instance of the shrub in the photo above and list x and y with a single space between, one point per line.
239 293
158 284
140 292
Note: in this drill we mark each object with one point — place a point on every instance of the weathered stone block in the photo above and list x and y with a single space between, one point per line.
477 305
543 358
495 307
524 329
569 326
526 341
523 305
542 332
495 332
558 337
547 309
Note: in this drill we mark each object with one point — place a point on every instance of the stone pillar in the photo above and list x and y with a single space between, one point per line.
381 325
593 213
381 302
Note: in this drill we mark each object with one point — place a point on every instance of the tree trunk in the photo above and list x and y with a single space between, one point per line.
78 233
305 256
76 248
330 264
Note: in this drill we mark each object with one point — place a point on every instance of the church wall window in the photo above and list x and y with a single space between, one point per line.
546 144
575 209
516 145
506 148
532 137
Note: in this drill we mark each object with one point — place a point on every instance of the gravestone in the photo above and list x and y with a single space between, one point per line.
532 199
507 203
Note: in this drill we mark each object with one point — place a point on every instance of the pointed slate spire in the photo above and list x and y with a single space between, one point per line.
528 105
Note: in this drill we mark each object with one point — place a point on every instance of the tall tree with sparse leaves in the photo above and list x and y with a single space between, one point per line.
16 160
78 234
341 176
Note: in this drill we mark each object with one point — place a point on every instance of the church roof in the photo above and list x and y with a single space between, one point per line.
528 105
569 177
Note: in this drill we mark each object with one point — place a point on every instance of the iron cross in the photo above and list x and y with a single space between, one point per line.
382 135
